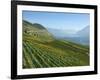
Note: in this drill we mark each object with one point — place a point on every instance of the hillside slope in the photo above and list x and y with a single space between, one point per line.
35 32
43 50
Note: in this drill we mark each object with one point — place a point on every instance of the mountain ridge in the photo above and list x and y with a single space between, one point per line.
84 32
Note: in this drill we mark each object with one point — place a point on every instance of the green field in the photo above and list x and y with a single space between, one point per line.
42 50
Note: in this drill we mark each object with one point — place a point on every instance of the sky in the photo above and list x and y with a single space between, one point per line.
58 20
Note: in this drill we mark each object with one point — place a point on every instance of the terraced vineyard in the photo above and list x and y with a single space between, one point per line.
43 53
36 55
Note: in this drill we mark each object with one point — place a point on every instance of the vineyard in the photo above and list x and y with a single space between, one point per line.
38 52
54 54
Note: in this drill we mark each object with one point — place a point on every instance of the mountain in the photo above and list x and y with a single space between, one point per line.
81 36
84 32
36 31
84 35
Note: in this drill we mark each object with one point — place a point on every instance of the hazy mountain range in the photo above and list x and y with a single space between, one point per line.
81 36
